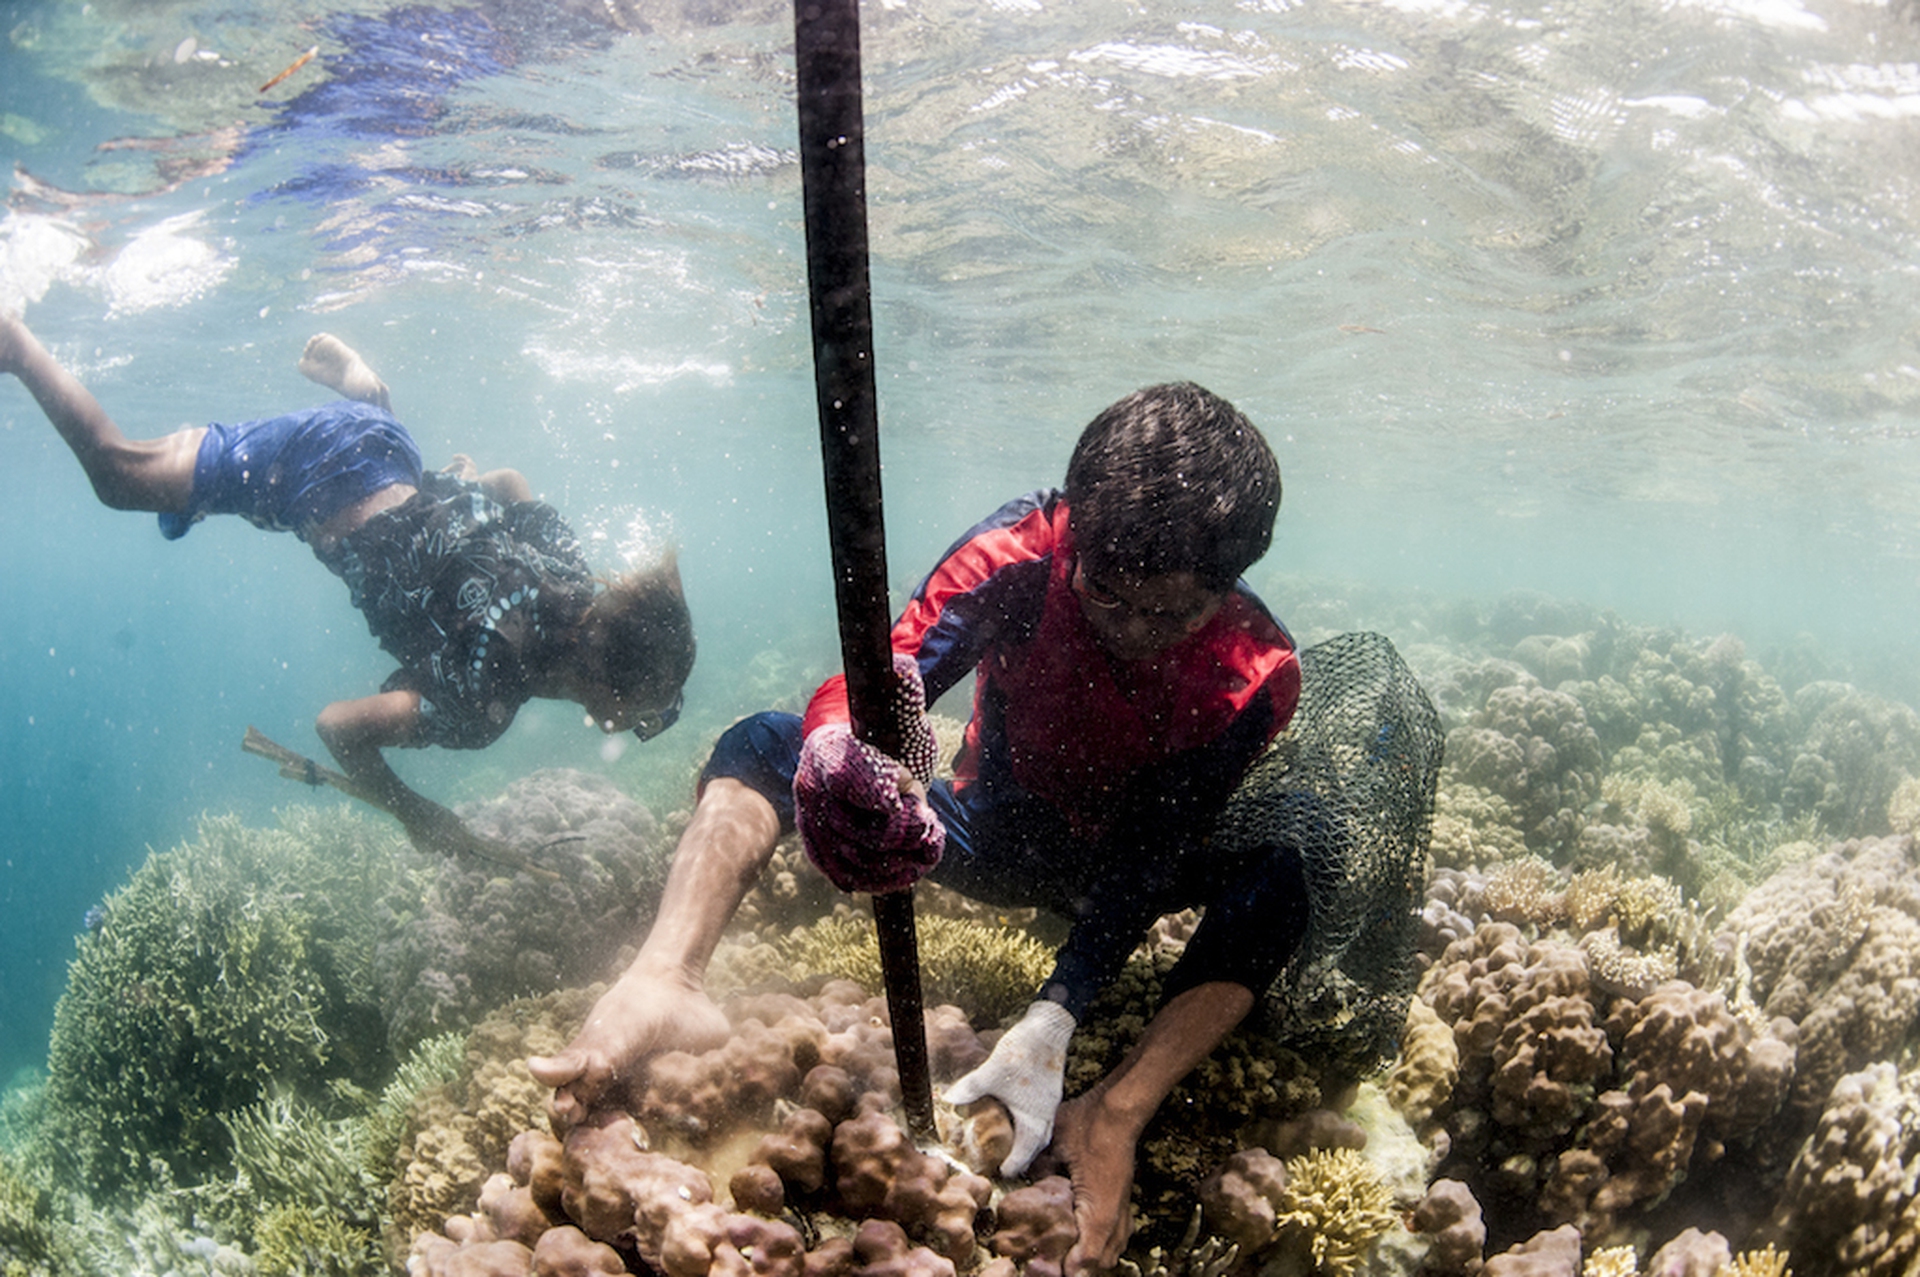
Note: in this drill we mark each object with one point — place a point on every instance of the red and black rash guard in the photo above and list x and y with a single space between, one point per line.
1125 751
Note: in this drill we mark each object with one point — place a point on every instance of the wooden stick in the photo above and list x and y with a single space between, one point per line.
303 769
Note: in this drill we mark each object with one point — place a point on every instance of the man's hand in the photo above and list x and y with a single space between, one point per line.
1025 1072
603 1067
1097 1150
863 817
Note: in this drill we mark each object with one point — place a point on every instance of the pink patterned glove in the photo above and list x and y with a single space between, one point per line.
864 823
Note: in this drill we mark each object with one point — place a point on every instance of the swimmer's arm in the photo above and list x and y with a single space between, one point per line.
355 732
504 486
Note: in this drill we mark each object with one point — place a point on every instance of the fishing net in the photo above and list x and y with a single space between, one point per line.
1350 783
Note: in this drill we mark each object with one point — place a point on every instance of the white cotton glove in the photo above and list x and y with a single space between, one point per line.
1026 1072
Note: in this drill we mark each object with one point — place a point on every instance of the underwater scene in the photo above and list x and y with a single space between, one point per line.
1586 337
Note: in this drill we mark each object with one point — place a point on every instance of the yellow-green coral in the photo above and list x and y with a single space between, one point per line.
991 971
1335 1202
1523 891
296 1241
1767 1262
226 970
1611 1261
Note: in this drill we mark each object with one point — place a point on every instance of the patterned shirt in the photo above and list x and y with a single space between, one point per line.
464 592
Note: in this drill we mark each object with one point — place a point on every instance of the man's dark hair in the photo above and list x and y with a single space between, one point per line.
645 634
1173 478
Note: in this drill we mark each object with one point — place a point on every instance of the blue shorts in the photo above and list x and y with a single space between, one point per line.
1015 850
287 473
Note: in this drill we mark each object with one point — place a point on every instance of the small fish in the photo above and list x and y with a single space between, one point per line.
1360 328
298 62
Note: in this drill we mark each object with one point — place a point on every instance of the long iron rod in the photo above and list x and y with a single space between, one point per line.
833 178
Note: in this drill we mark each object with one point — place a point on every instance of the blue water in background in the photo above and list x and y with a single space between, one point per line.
1523 298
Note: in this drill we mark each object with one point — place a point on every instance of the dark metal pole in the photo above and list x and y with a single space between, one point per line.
833 177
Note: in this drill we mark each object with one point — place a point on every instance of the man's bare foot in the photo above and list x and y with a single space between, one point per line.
641 1016
337 366
1098 1149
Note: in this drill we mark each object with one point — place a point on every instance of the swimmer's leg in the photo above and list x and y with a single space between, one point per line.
127 474
339 367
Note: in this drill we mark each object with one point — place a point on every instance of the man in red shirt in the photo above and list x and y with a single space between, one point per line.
1125 680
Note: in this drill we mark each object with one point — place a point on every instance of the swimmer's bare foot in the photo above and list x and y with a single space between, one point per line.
1097 1144
337 366
642 1015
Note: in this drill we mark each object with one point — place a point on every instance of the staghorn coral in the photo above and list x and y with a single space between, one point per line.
1765 1262
1611 1261
475 936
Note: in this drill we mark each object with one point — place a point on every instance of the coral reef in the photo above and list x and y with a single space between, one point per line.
473 936
990 969
611 1180
1851 1202
1588 1052
225 971
1532 748
1833 945
1563 1113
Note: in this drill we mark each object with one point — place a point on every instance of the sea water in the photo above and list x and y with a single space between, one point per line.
1613 302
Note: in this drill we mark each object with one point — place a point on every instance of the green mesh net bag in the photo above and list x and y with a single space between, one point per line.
1350 783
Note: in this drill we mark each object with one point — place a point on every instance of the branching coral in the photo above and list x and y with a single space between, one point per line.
226 970
991 971
1335 1206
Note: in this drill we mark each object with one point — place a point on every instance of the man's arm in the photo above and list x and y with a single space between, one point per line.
504 485
658 1004
355 732
1096 1133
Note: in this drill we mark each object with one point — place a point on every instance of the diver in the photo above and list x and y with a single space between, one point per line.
1126 679
480 592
